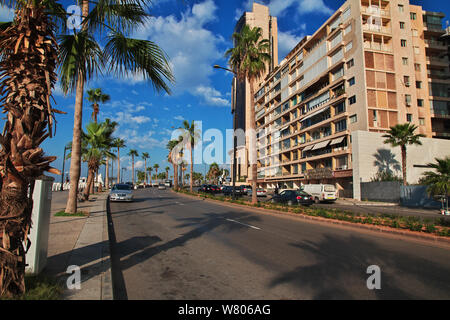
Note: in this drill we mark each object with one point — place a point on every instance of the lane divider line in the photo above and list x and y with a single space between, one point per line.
253 227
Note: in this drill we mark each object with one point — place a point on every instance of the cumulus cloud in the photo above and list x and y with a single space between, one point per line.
287 41
192 48
211 96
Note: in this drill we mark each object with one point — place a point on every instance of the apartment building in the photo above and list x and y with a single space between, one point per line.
258 17
371 65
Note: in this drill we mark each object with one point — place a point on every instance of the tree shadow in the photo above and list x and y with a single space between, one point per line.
339 272
385 162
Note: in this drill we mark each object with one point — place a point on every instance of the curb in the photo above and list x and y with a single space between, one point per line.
106 279
409 234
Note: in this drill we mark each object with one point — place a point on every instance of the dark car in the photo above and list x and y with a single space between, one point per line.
204 188
245 189
292 197
228 191
214 189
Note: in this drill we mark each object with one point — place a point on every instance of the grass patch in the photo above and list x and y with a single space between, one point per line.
78 214
39 287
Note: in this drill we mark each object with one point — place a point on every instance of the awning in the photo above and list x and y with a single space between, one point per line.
337 140
308 147
315 113
321 145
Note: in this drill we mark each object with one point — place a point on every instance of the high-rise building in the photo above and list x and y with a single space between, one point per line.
258 17
371 65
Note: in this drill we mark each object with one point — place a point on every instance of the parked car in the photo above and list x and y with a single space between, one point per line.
260 192
168 183
245 189
205 188
121 192
214 189
292 197
228 191
321 192
161 186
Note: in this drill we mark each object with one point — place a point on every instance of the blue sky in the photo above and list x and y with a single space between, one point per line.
195 35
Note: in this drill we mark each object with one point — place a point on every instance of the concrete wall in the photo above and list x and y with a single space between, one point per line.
416 196
370 154
385 191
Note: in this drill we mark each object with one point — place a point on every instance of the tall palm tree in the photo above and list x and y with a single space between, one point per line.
118 143
111 125
402 135
167 172
82 57
172 158
133 153
248 61
149 171
96 96
145 156
438 181
156 167
191 136
28 58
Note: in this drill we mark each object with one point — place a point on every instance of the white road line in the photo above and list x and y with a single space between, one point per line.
253 227
181 204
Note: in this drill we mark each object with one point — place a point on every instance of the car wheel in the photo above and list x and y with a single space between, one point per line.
290 203
316 200
272 201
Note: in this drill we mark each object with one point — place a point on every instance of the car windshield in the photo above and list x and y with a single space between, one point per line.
122 187
329 188
302 193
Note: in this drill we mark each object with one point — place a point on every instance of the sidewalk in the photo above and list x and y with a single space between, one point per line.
83 242
365 203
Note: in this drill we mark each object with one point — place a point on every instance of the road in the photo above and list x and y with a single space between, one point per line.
169 246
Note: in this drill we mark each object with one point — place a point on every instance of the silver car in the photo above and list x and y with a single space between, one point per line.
161 186
121 192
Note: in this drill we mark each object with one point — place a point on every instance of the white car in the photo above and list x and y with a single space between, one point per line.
121 192
260 192
161 186
321 192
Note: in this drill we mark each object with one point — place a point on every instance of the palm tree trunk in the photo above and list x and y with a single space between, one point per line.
192 170
403 148
107 174
175 175
89 184
132 164
118 165
75 159
253 144
145 170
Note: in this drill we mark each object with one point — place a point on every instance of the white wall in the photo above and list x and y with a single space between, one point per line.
366 144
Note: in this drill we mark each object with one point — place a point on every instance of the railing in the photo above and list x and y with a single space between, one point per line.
434 42
433 26
377 46
376 28
376 11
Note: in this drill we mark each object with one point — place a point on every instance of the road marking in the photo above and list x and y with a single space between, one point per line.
181 204
253 227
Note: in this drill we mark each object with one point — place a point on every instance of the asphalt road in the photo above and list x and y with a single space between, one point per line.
168 246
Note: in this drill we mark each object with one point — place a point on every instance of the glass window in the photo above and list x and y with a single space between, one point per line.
401 8
417 66
422 121
350 63
351 82
419 84
403 42
409 117
408 99
402 25
420 102
352 100
349 46
353 118
413 16
341 125
405 61
406 81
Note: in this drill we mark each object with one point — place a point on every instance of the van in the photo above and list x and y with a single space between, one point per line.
321 192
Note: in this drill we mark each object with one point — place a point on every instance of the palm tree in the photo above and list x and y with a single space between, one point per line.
29 56
112 127
213 172
133 153
402 135
192 135
248 61
149 170
118 143
183 169
145 156
167 172
156 166
172 158
95 96
82 57
438 181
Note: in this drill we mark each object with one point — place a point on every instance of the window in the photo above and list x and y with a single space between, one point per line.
406 81
422 121
374 115
416 50
415 33
350 63
341 125
339 108
401 8
413 16
409 117
408 99
405 61
349 46
403 42
417 66
402 25
352 100
419 84
348 29
420 102
353 118
346 14
351 82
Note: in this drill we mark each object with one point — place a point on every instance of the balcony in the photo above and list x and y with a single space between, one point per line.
377 46
438 74
376 28
375 11
433 27
439 62
435 44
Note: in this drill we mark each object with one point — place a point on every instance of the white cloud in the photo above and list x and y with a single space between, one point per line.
313 6
179 118
139 139
192 48
211 96
286 42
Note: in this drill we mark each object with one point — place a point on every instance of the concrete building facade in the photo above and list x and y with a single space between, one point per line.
371 65
258 17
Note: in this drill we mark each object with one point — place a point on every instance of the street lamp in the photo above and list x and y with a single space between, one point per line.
233 112
66 147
